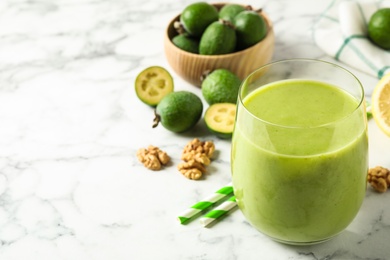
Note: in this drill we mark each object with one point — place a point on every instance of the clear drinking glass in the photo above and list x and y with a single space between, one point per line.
300 150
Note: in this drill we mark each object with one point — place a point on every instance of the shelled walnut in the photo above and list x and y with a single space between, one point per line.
153 158
379 178
196 155
198 146
192 169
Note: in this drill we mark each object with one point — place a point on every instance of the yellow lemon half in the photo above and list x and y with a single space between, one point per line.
381 104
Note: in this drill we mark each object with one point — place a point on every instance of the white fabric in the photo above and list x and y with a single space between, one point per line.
341 32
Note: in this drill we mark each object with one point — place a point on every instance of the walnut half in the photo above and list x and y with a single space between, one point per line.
198 146
192 169
379 178
153 158
196 155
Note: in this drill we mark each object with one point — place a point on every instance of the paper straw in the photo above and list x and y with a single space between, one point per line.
218 211
205 203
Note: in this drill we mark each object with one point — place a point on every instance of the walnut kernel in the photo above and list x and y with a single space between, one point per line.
198 146
379 178
153 158
199 157
196 155
192 169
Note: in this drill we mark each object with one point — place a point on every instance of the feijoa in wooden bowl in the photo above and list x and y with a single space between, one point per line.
191 67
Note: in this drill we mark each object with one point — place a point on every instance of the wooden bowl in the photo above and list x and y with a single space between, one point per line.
191 66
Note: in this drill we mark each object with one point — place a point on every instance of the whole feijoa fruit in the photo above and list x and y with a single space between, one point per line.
178 111
197 16
218 38
229 11
221 86
379 28
186 43
250 27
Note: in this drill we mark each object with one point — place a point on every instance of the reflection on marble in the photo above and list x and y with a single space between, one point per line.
71 186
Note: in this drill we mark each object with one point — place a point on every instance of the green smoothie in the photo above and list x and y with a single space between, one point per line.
299 160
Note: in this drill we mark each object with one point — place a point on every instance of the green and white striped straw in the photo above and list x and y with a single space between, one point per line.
205 203
218 211
368 109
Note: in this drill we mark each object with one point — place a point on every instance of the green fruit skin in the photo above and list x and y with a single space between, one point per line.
219 134
379 28
229 11
214 85
218 38
197 16
186 43
251 28
179 111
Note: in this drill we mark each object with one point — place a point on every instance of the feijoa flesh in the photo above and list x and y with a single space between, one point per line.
152 84
219 119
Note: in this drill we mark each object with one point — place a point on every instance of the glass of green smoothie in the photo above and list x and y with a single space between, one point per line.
300 150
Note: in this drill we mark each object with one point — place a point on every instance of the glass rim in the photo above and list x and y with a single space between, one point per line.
360 101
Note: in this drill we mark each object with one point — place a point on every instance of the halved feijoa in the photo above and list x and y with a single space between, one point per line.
219 119
152 84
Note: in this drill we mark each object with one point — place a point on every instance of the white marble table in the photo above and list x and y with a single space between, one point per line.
71 186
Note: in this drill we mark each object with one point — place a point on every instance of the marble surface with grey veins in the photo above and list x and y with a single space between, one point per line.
71 187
